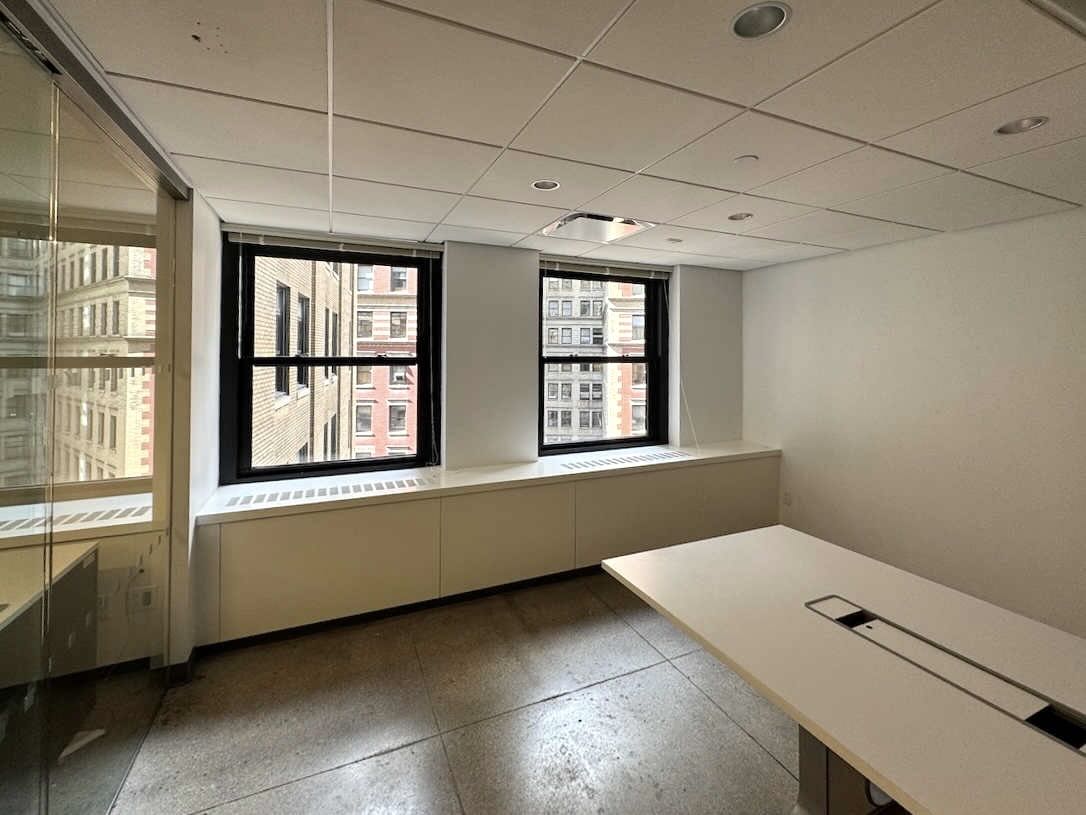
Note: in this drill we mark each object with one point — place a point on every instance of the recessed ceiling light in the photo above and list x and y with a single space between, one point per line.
760 20
1021 125
740 216
749 158
546 184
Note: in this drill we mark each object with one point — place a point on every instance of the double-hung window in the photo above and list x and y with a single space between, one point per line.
613 359
282 312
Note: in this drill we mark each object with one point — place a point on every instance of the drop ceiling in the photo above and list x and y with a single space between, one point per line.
872 122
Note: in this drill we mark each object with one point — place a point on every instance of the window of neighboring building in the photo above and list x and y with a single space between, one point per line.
302 347
552 390
397 325
282 335
112 432
620 354
116 318
381 376
552 308
364 328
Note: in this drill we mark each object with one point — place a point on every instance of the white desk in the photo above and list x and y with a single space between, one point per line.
935 748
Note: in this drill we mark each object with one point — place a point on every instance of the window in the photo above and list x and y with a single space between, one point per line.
112 432
364 328
381 376
92 318
116 318
304 328
282 340
363 418
567 308
105 319
397 325
397 418
617 355
552 308
101 428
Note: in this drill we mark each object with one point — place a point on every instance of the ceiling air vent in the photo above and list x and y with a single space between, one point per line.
586 226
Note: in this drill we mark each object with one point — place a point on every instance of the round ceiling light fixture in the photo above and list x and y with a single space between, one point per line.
760 20
1022 125
546 184
740 216
748 158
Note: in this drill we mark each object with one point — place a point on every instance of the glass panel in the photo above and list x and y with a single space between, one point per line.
593 318
594 401
299 308
26 160
104 426
354 413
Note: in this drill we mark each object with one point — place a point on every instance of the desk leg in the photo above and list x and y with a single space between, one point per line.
830 786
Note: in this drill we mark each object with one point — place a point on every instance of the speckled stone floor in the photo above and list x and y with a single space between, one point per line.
568 697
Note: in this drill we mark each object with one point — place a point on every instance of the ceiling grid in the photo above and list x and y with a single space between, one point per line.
434 117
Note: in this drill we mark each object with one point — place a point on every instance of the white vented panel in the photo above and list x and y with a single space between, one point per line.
64 522
635 458
260 495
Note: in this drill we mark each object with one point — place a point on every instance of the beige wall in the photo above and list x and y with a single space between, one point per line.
705 322
930 399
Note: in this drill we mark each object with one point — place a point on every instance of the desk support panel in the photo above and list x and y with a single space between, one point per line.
829 786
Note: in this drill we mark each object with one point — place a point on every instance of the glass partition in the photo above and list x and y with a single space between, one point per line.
83 457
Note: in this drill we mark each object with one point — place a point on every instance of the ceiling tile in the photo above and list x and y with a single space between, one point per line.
862 172
957 201
557 246
502 215
954 54
841 231
512 175
764 211
214 126
390 201
608 118
634 254
406 69
247 182
236 47
345 223
782 148
563 25
680 239
692 45
654 199
248 213
466 234
782 252
968 137
1059 169
396 156
97 200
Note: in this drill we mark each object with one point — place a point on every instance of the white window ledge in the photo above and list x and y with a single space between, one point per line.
77 519
273 498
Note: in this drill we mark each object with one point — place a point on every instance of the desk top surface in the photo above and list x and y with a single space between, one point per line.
936 749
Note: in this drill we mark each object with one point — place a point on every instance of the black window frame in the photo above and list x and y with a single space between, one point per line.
237 362
654 358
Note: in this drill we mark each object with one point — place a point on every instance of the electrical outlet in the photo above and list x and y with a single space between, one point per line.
142 598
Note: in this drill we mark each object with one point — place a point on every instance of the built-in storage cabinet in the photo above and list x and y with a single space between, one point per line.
284 572
491 538
265 574
632 513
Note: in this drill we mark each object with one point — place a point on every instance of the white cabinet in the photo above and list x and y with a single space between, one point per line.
501 536
631 513
297 569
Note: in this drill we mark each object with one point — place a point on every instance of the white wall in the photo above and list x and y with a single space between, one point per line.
930 399
490 351
705 314
197 311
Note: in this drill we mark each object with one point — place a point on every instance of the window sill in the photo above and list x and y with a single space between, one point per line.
77 519
237 502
